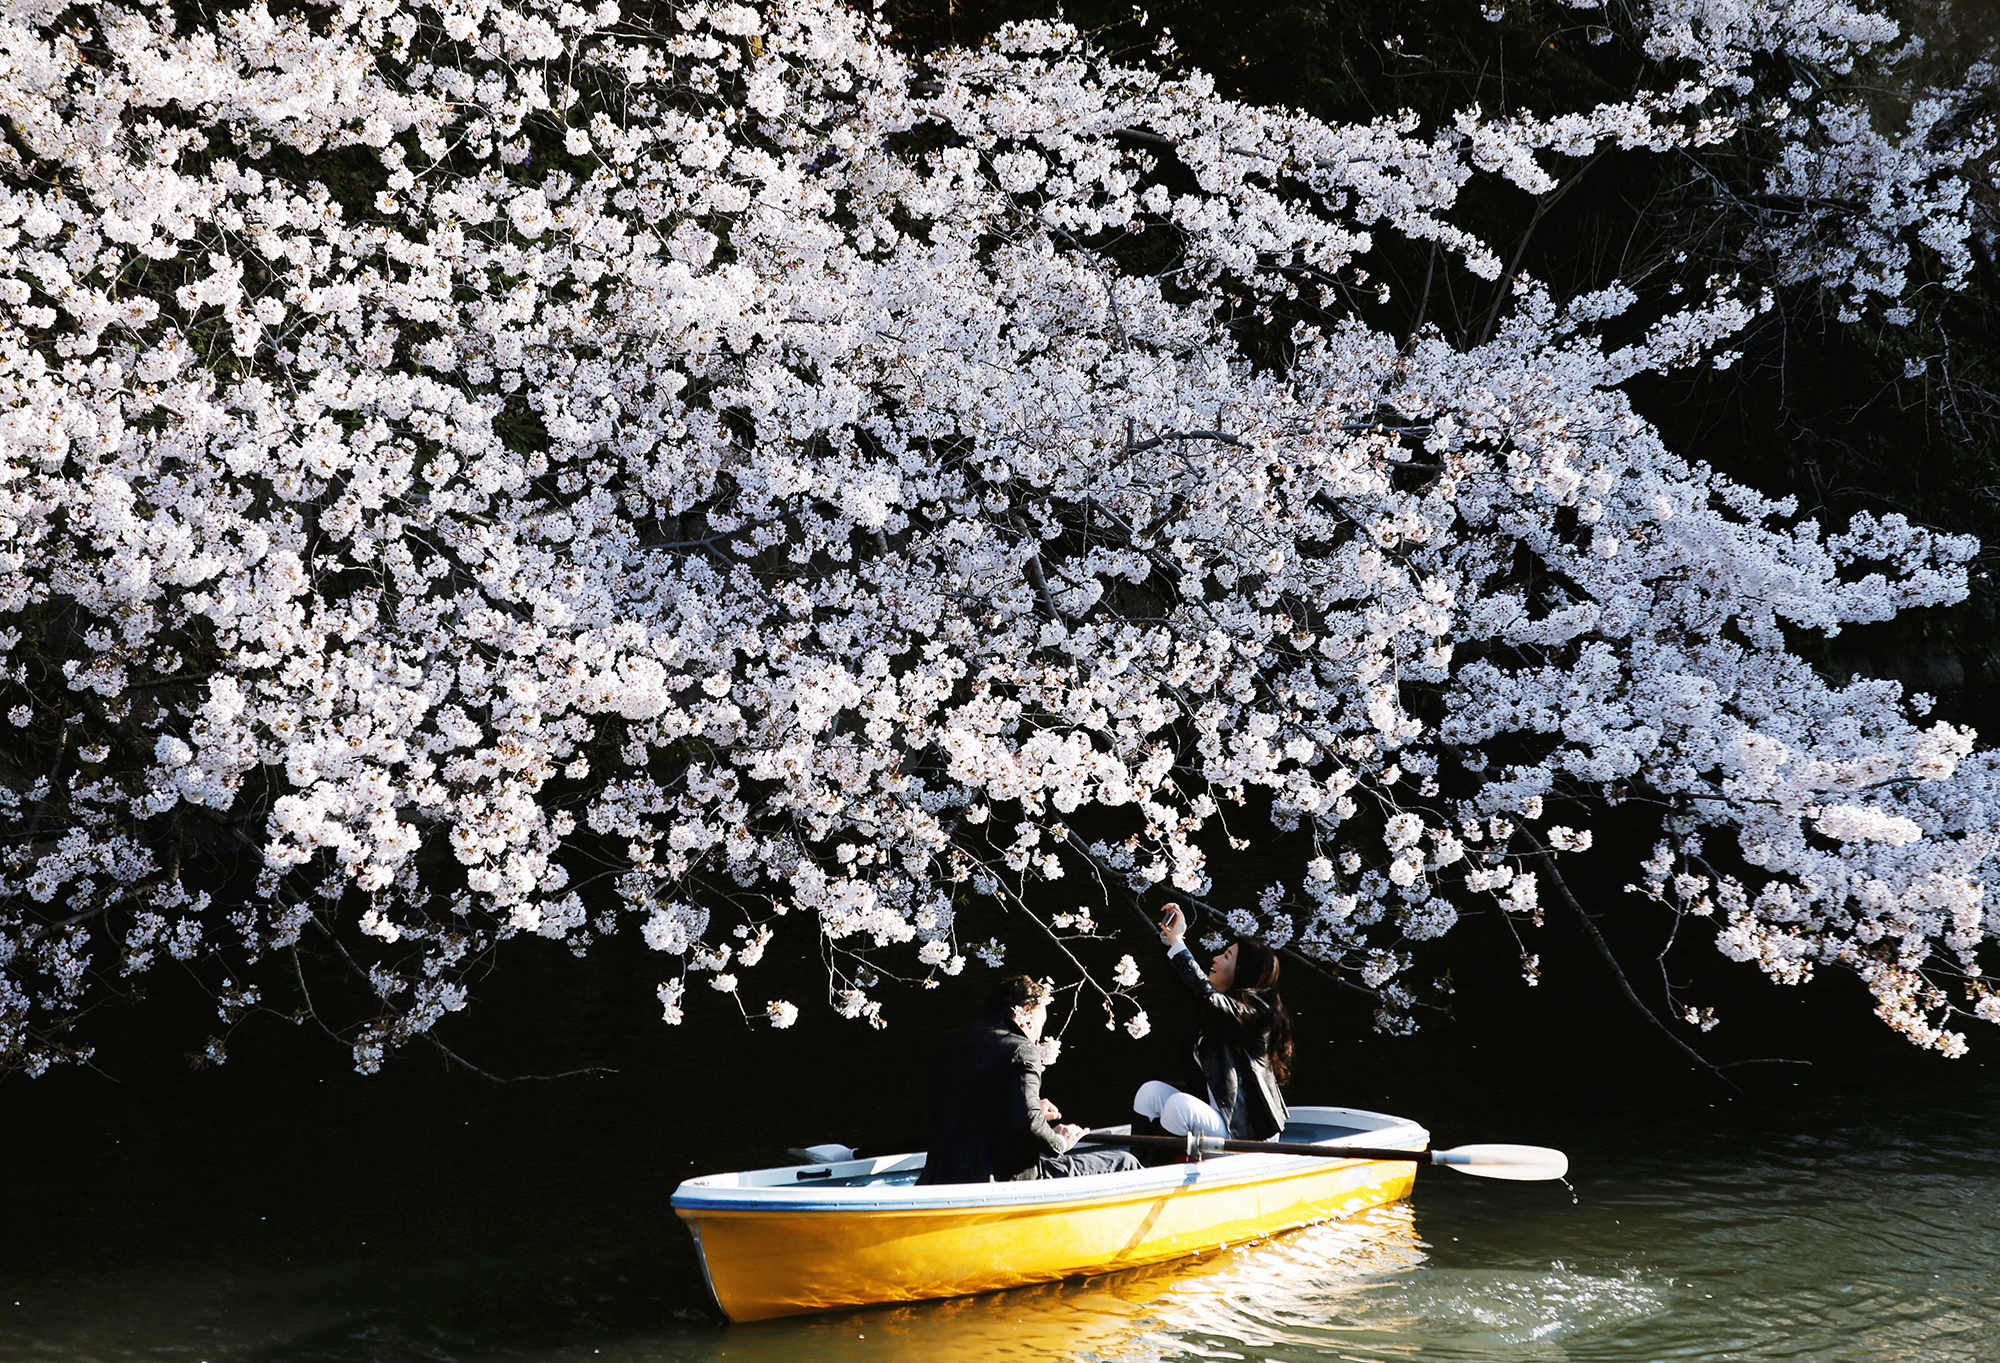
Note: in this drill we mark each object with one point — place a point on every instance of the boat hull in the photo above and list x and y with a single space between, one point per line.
804 1253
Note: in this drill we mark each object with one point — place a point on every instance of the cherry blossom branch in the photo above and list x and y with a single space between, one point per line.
1603 950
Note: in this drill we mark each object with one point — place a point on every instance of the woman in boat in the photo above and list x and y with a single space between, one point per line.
1242 1052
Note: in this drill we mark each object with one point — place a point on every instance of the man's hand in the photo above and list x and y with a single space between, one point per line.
1173 926
1070 1134
1050 1112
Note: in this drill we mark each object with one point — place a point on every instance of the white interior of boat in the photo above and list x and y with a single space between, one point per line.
882 1181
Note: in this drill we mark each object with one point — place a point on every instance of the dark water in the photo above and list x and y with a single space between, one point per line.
246 1216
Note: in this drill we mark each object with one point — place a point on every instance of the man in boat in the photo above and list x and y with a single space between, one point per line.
989 1121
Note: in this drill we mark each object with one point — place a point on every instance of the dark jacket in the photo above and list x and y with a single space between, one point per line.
986 1106
1231 1054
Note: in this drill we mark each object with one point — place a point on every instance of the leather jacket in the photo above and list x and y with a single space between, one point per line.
986 1106
1231 1053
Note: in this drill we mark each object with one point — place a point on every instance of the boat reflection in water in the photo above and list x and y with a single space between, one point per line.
1358 1290
1268 1291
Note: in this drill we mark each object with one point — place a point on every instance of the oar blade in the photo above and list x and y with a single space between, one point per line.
1526 1163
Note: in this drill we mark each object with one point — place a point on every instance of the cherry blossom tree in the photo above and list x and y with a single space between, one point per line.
489 470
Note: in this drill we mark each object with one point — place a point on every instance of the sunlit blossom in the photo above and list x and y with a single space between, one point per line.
739 456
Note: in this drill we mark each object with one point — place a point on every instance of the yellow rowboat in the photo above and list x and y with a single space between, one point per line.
816 1237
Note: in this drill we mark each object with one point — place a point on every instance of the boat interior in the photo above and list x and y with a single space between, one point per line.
894 1171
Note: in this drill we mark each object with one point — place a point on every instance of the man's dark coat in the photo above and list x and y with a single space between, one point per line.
986 1106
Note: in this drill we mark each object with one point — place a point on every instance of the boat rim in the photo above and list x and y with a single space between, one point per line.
714 1193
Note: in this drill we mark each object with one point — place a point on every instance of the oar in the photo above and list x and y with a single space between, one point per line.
1523 1162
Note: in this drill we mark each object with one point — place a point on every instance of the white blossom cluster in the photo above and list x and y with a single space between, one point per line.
500 468
1860 208
1868 196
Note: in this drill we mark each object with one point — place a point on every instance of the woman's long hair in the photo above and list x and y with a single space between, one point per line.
1257 975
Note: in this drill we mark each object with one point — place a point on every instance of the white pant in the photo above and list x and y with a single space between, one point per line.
1178 1112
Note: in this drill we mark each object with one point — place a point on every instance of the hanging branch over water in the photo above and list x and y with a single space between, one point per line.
457 457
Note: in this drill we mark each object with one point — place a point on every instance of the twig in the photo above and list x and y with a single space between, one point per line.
455 1058
1596 938
1291 953
1171 436
1033 570
188 679
1542 206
